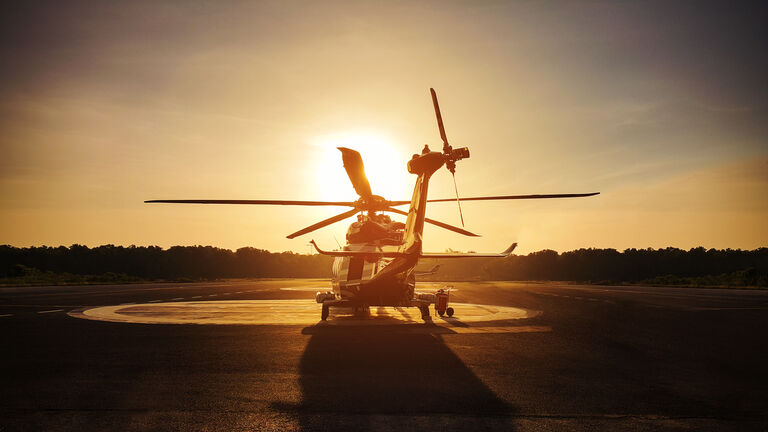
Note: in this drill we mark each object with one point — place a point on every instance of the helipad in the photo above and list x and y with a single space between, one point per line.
287 312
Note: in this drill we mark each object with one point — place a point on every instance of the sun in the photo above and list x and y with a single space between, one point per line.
385 166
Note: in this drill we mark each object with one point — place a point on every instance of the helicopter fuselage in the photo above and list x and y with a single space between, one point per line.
356 279
352 278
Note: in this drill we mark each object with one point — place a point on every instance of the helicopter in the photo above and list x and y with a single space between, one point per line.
377 265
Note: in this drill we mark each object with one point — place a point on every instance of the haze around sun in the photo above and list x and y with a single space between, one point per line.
660 106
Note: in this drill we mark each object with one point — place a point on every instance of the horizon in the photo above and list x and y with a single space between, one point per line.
313 252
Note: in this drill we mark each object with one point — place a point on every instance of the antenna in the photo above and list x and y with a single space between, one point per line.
456 189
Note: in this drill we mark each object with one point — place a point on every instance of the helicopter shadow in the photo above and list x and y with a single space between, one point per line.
369 377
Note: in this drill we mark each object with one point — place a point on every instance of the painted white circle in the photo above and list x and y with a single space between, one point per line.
419 286
312 289
290 312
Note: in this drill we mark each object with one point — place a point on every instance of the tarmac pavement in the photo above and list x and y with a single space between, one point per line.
570 357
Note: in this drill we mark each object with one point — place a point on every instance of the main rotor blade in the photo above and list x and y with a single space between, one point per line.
439 117
262 202
353 163
438 223
323 223
397 203
517 197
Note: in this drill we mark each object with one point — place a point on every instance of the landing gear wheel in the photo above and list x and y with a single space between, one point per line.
324 313
449 311
441 313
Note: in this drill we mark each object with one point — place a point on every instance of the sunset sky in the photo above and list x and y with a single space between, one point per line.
660 106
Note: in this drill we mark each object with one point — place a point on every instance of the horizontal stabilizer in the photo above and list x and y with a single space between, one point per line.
504 254
359 253
431 271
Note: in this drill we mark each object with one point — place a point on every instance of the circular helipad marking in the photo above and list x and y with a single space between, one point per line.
427 286
313 289
287 312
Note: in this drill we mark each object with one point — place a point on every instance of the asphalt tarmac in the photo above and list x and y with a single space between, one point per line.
516 357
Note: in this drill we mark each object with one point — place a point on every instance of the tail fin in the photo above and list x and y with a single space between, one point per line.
423 166
414 224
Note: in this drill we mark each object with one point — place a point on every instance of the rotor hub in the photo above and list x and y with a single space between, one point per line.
372 203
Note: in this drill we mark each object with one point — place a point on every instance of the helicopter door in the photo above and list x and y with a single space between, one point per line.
355 271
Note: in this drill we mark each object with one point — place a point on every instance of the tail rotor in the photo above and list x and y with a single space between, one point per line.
451 155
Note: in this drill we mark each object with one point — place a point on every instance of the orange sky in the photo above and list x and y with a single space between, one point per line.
660 107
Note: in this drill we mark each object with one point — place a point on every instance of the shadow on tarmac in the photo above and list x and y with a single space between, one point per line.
385 377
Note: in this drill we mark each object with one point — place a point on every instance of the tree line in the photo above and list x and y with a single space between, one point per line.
135 263
668 266
109 263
